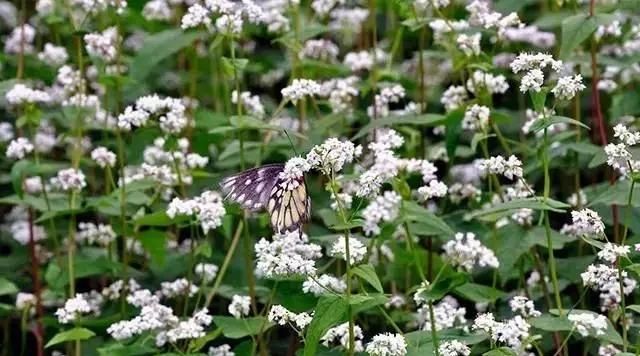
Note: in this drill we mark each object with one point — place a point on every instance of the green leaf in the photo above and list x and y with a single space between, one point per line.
576 29
543 123
232 66
362 302
198 344
368 273
158 47
634 307
502 351
330 311
535 203
160 218
71 335
538 99
452 134
155 243
478 293
238 328
7 287
423 222
549 322
127 350
445 285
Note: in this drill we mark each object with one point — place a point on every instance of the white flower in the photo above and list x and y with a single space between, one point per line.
447 314
512 332
387 345
523 306
179 287
617 156
91 233
21 94
53 55
142 297
159 10
102 45
69 179
577 199
629 138
587 222
435 189
357 250
510 168
320 49
453 97
332 155
476 117
610 252
465 251
299 88
469 44
485 322
453 348
207 207
152 317
384 208
528 61
251 103
605 279
589 324
287 254
239 306
567 87
493 84
206 271
222 350
340 335
103 157
25 300
532 80
281 316
19 148
323 284
73 308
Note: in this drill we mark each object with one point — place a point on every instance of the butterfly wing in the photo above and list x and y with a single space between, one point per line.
251 188
289 209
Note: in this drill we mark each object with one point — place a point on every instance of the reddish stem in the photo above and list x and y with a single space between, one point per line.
599 119
35 276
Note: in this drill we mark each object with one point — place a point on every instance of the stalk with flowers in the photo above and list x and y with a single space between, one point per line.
459 177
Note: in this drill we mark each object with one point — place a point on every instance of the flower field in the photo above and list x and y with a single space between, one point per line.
320 177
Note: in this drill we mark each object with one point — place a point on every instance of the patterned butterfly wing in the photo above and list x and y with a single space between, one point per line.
289 209
252 188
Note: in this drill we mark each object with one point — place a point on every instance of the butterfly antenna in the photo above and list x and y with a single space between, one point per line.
291 142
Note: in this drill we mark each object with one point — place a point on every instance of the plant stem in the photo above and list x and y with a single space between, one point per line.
547 226
225 263
37 287
347 266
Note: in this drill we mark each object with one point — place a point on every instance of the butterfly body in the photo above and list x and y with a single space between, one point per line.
263 187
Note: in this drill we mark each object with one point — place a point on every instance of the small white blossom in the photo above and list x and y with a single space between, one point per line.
340 335
206 271
103 157
357 250
300 88
73 308
568 87
589 324
465 251
453 348
387 345
69 179
239 306
523 306
19 148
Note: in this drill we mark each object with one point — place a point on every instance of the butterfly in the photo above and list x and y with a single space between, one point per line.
262 188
